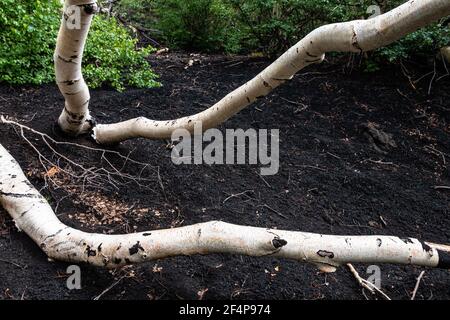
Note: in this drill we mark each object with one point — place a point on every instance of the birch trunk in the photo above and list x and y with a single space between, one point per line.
355 36
446 54
33 215
75 118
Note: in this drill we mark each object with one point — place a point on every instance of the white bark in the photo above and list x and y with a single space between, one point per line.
354 36
446 54
33 215
75 24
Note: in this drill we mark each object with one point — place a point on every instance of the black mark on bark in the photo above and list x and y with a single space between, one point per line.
325 254
135 249
279 243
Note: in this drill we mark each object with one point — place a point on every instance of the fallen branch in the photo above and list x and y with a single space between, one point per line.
354 36
33 215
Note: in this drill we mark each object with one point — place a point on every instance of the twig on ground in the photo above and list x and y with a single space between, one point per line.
407 75
417 285
434 77
274 211
22 297
264 180
379 162
88 176
436 152
237 195
12 263
334 156
313 167
109 288
366 284
302 106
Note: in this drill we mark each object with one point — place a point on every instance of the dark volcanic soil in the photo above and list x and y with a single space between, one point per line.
332 180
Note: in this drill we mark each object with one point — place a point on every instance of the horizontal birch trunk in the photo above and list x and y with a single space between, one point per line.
355 36
34 216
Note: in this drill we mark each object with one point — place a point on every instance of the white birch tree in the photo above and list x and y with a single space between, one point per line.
33 215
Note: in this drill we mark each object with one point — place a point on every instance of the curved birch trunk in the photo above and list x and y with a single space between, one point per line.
354 36
33 215
75 24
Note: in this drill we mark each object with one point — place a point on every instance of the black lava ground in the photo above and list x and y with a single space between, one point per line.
332 180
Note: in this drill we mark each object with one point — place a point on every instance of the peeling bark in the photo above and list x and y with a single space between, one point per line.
34 216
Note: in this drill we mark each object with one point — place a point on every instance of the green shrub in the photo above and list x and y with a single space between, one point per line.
28 30
424 42
267 26
272 26
140 12
278 24
112 57
204 25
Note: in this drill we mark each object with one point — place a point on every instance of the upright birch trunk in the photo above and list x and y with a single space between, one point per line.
75 118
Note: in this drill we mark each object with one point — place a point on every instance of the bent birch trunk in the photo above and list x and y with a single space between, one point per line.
75 118
354 36
33 215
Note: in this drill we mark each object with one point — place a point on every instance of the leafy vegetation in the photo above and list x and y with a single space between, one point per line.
113 57
28 30
205 25
266 26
